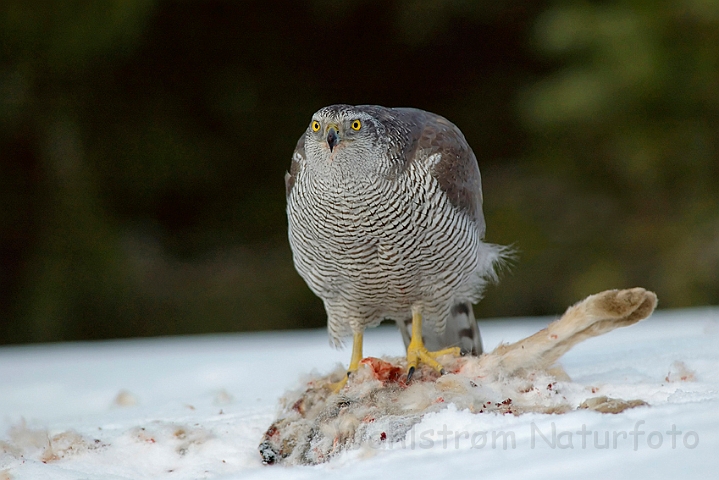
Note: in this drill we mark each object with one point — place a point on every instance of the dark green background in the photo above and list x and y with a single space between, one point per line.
143 147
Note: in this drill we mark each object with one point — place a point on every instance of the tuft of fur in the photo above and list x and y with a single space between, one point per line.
41 444
377 405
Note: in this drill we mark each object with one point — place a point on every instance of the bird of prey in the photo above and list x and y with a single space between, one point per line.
384 208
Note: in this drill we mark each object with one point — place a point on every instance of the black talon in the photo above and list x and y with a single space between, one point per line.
409 374
442 372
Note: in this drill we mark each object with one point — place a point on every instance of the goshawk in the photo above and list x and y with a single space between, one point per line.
385 222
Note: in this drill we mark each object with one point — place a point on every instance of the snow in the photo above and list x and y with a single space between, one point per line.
197 407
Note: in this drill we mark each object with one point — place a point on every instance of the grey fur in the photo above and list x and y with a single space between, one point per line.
389 219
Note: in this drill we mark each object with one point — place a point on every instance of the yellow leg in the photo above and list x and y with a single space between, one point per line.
354 361
416 351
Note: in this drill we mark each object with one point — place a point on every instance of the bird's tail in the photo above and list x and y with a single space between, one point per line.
461 331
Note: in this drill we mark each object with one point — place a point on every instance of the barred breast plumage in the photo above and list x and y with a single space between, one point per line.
385 216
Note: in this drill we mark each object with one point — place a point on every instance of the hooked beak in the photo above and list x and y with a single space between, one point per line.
332 138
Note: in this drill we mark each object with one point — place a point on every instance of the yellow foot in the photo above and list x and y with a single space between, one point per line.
416 351
354 363
419 354
337 386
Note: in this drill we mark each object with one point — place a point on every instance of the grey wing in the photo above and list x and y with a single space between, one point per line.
456 171
297 157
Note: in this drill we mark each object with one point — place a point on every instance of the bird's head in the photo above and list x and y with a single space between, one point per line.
342 136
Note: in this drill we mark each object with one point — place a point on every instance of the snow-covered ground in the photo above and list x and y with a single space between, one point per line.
197 407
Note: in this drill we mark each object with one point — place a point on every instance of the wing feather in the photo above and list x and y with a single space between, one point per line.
456 171
297 158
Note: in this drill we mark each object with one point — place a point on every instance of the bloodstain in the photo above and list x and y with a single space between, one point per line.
383 371
299 407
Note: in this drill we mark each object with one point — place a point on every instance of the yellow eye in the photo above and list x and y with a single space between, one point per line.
356 125
315 126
